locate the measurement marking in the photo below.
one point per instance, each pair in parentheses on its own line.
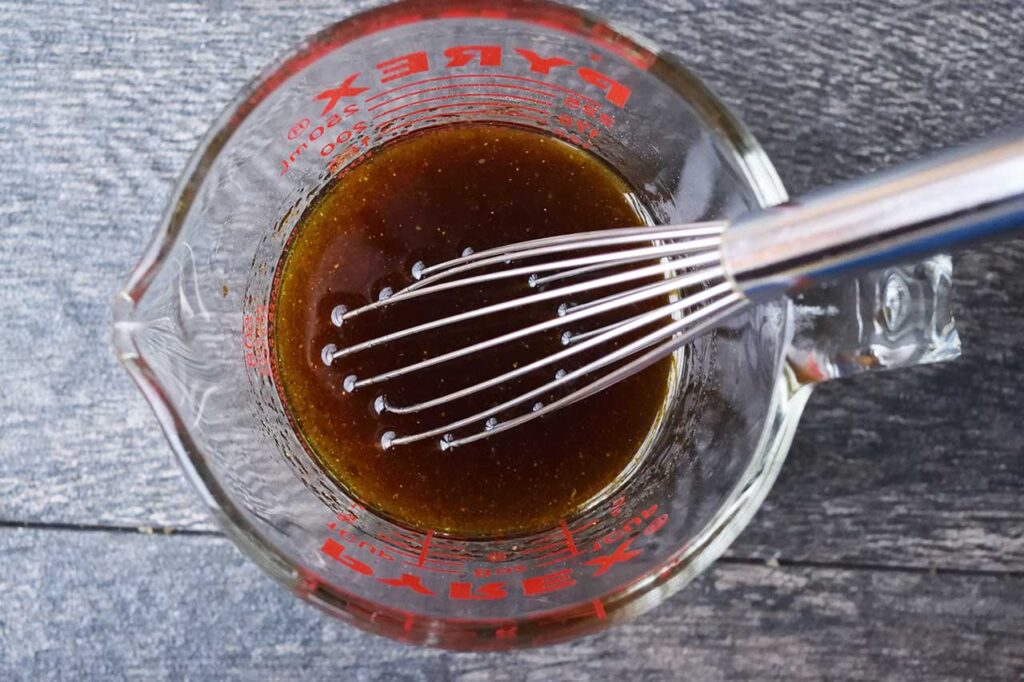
(463,117)
(541,549)
(599,609)
(432,569)
(403,540)
(415,555)
(404,552)
(493,105)
(453,557)
(458,96)
(413,558)
(569,542)
(400,534)
(589,524)
(426,545)
(400,545)
(510,114)
(523,79)
(556,559)
(412,550)
(453,86)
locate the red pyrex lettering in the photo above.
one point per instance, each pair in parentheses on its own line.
(602,560)
(458,56)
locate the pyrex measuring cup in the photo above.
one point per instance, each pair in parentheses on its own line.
(192,323)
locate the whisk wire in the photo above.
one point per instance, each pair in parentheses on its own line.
(579,240)
(596,338)
(915,210)
(607,380)
(433,285)
(559,293)
(663,288)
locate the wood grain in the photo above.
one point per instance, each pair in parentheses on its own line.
(105,605)
(100,105)
(102,115)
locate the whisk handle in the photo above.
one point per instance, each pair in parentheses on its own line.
(911,211)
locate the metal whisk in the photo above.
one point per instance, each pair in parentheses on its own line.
(716,269)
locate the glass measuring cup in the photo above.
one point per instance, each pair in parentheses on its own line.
(192,323)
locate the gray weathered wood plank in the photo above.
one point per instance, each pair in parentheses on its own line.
(102,605)
(101,104)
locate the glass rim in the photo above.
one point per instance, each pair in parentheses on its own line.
(547,627)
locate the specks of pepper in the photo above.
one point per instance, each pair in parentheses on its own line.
(381,219)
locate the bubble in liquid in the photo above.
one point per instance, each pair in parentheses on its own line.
(387,439)
(327,354)
(468,251)
(563,309)
(446,442)
(417,269)
(380,404)
(537,406)
(490,424)
(560,373)
(349,384)
(566,338)
(385,294)
(532,281)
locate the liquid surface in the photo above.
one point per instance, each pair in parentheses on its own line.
(427,197)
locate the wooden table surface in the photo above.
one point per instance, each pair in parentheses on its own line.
(892,546)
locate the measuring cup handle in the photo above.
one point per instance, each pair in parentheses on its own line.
(896,317)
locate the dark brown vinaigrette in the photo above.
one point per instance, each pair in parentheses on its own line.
(428,197)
